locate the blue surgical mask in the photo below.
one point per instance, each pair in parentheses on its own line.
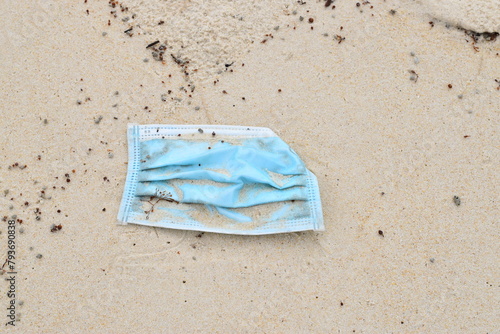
(225,179)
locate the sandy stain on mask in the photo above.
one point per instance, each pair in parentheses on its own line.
(222,171)
(281,214)
(153,149)
(156,211)
(260,215)
(279,179)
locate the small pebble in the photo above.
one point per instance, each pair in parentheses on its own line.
(432,260)
(104,33)
(301,18)
(21,303)
(200,130)
(39,256)
(460,96)
(196,108)
(276,28)
(98,120)
(145,60)
(457,200)
(110,155)
(21,230)
(416,60)
(45,121)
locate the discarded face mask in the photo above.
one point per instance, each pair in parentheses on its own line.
(225,179)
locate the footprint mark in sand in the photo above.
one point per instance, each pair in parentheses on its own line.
(151,254)
(124,266)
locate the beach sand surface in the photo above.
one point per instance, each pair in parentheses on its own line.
(396,113)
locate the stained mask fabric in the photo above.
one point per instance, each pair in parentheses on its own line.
(225,179)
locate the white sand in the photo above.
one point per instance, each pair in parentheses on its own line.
(389,153)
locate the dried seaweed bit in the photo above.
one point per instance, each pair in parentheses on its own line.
(177,60)
(339,38)
(328,3)
(490,36)
(129,32)
(476,36)
(413,76)
(55,228)
(152,44)
(159,196)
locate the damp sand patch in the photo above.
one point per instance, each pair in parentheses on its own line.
(203,37)
(480,16)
